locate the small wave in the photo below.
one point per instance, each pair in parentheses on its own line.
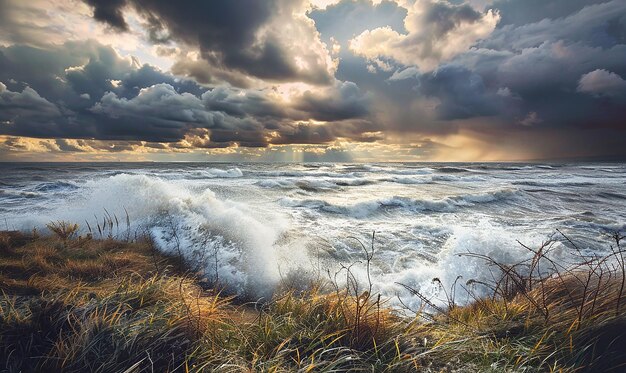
(311,185)
(117,173)
(276,184)
(611,195)
(401,171)
(304,174)
(369,208)
(408,180)
(34,168)
(358,210)
(358,167)
(315,185)
(452,170)
(230,173)
(504,167)
(555,183)
(55,186)
(212,173)
(453,178)
(14,194)
(353,182)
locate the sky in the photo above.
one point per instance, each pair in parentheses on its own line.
(312,80)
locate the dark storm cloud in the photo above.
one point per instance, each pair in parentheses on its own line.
(363,131)
(341,101)
(461,92)
(546,68)
(345,102)
(254,116)
(522,12)
(208,74)
(541,64)
(230,101)
(233,116)
(26,104)
(109,11)
(163,114)
(526,73)
(593,24)
(86,90)
(234,35)
(73,78)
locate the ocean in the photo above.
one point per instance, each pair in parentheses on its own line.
(255,226)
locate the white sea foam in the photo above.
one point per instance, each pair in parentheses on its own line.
(276,184)
(193,223)
(454,266)
(368,208)
(408,180)
(230,173)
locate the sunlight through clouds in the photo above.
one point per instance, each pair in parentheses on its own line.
(199,78)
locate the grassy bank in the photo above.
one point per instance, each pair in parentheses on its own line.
(75,304)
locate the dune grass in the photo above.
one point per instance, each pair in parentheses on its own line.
(74,304)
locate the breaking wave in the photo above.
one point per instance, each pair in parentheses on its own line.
(193,223)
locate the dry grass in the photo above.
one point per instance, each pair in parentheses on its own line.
(570,319)
(79,304)
(99,306)
(64,230)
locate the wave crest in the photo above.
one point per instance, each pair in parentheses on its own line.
(369,208)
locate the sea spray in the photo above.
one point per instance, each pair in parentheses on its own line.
(193,223)
(456,274)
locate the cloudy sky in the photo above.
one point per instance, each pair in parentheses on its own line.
(312,80)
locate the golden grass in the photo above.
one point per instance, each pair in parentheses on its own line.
(109,306)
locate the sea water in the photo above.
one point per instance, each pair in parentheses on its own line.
(254,226)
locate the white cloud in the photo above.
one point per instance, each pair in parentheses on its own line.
(437,32)
(408,73)
(504,92)
(602,82)
(323,4)
(158,103)
(531,119)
